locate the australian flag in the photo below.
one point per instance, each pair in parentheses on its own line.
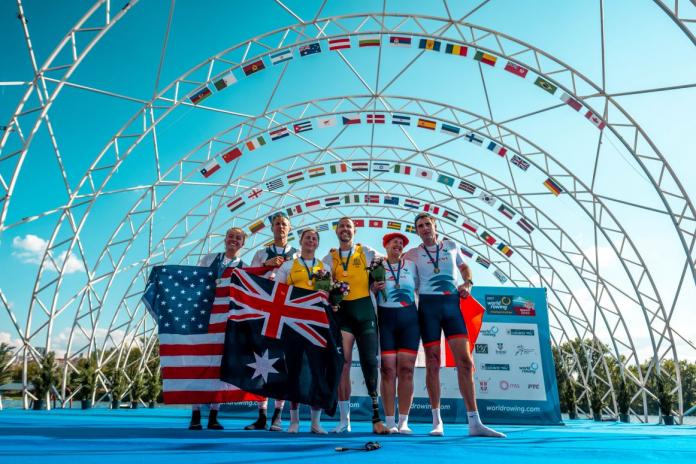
(282,342)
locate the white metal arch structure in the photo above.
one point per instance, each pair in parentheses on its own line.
(72,217)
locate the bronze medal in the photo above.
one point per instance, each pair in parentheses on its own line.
(436,270)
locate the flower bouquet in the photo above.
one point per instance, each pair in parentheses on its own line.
(339,290)
(322,280)
(378,273)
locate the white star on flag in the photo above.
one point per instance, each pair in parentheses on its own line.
(263,366)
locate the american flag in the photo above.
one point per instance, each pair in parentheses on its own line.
(191,313)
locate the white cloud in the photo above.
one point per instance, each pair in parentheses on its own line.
(6,337)
(31,248)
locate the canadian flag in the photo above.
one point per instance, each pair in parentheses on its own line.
(594,119)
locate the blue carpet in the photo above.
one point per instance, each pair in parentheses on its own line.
(160,435)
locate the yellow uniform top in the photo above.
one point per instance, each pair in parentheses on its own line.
(355,272)
(297,274)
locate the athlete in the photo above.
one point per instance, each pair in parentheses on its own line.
(300,273)
(356,318)
(273,255)
(398,331)
(218,262)
(437,262)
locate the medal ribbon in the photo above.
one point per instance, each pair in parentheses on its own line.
(437,256)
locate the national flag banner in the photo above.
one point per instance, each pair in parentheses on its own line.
(359,166)
(452,49)
(470,226)
(525,225)
(200,94)
(349,119)
(473,138)
(380,166)
(211,168)
(351,199)
(254,67)
(282,342)
(295,177)
(487,198)
(322,228)
(553,186)
(507,211)
(450,215)
(370,41)
(293,210)
(339,43)
(546,85)
(375,118)
(488,238)
(310,49)
(336,168)
(400,41)
(412,204)
(279,133)
(334,225)
(448,129)
(402,169)
(255,143)
(467,186)
(255,193)
(316,171)
(225,81)
(313,204)
(516,69)
(432,209)
(447,180)
(393,225)
(424,174)
(429,44)
(191,335)
(570,101)
(371,198)
(326,122)
(486,58)
(409,228)
(426,124)
(401,120)
(359,222)
(236,204)
(390,200)
(595,120)
(502,278)
(281,56)
(520,162)
(332,201)
(468,252)
(376,223)
(505,249)
(257,226)
(231,155)
(497,149)
(303,126)
(483,261)
(274,184)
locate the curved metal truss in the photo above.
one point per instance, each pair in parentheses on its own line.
(585,300)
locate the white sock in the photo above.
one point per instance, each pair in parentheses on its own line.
(390,422)
(403,424)
(438,428)
(477,429)
(436,417)
(344,408)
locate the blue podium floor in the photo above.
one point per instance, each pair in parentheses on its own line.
(160,435)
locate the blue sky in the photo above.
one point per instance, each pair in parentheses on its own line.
(644,50)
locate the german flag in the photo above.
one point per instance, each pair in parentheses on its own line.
(553,186)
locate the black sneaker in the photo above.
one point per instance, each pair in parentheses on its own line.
(195,421)
(213,423)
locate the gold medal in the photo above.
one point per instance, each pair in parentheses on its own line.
(345,273)
(436,270)
(309,284)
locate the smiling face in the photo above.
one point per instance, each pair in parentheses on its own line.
(234,240)
(309,241)
(426,229)
(394,248)
(281,228)
(345,231)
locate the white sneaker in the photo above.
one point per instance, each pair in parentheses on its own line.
(294,427)
(438,430)
(342,428)
(405,430)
